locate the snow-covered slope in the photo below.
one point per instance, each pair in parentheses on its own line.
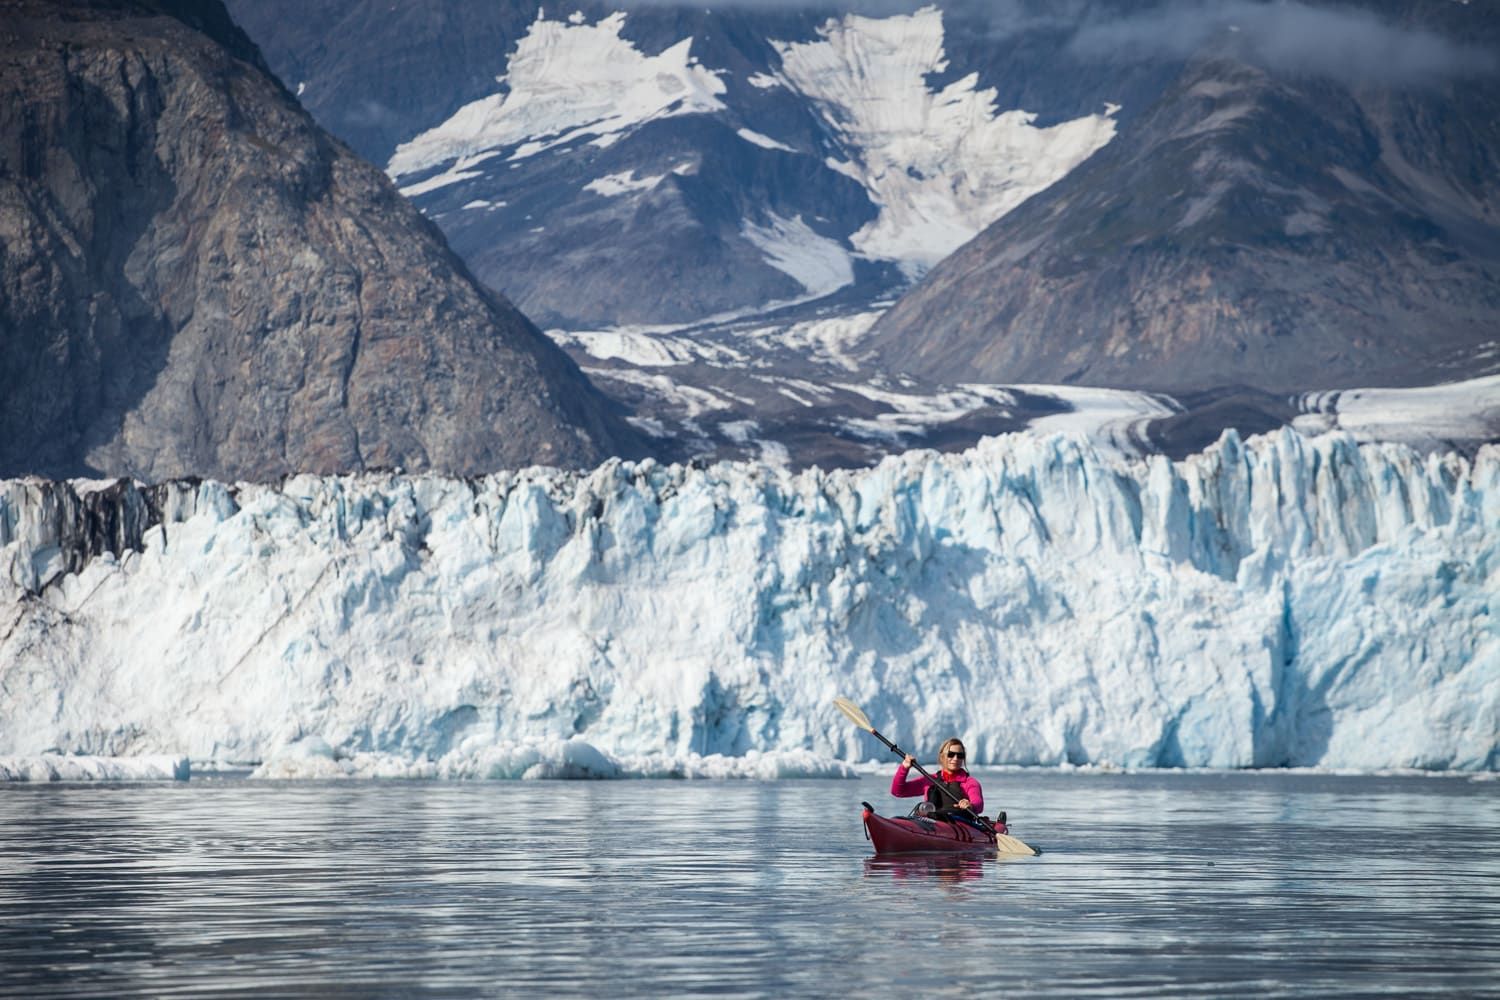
(941,165)
(750,153)
(567,80)
(1280,601)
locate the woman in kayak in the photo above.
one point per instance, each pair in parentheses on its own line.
(951,773)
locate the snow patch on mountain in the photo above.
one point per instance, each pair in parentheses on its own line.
(913,413)
(461,170)
(941,166)
(764,141)
(820,264)
(649,347)
(568,80)
(694,401)
(614,185)
(832,340)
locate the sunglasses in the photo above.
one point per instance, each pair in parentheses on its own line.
(955,754)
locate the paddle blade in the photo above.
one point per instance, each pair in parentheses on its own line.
(857,717)
(1005,844)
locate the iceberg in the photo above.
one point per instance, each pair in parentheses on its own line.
(1286,601)
(81,767)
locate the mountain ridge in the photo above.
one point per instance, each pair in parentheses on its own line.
(698,265)
(200,281)
(1286,232)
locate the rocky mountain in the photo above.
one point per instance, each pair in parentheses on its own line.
(1280,229)
(1152,221)
(196,279)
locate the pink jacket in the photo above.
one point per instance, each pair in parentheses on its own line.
(904,788)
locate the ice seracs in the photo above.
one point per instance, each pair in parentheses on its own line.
(1281,601)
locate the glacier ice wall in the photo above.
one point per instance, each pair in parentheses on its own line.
(1281,601)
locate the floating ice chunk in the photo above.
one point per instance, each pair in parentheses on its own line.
(61,767)
(571,759)
(574,758)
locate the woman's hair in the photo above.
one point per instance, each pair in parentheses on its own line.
(953,741)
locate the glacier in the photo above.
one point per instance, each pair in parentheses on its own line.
(1280,601)
(939,165)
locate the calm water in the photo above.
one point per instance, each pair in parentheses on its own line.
(1152,885)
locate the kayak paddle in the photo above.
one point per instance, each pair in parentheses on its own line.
(862,720)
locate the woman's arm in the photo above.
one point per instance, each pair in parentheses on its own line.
(904,788)
(972,792)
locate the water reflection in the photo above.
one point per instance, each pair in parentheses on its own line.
(939,867)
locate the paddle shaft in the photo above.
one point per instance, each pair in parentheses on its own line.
(940,786)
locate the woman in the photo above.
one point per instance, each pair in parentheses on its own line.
(951,774)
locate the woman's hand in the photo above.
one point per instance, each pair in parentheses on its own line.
(908,761)
(963,803)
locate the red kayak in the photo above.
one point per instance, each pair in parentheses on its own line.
(924,835)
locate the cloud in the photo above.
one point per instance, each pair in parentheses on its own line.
(872,7)
(1351,46)
(1343,43)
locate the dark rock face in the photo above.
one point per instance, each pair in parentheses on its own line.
(1272,232)
(196,280)
(80,522)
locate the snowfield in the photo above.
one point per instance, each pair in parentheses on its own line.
(940,165)
(566,81)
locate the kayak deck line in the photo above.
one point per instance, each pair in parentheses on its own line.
(926,835)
